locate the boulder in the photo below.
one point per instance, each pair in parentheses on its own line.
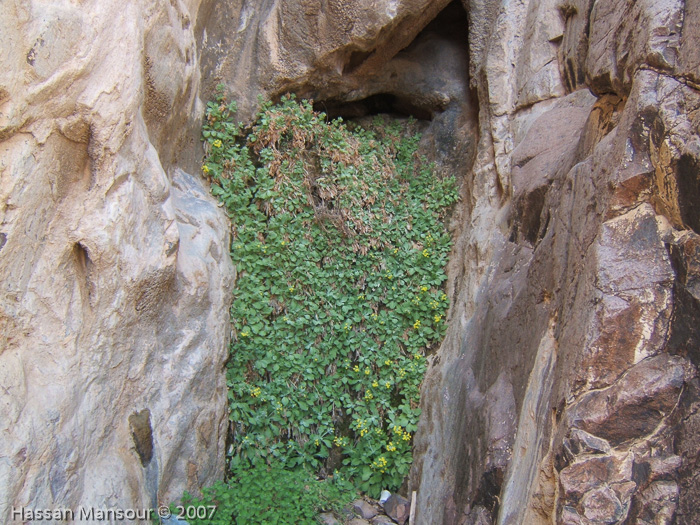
(397,508)
(364,509)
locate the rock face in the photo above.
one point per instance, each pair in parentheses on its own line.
(314,48)
(566,390)
(113,257)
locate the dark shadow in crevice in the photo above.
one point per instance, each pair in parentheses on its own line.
(357,58)
(380,104)
(489,490)
(531,222)
(142,435)
(688,176)
(84,272)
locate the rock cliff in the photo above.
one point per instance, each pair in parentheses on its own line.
(566,389)
(113,256)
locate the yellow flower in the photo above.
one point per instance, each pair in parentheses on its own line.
(416,325)
(390,447)
(417,356)
(423,288)
(387,384)
(291,288)
(437,318)
(205,168)
(356,368)
(396,250)
(245,333)
(388,362)
(367,371)
(217,143)
(316,442)
(375,384)
(426,253)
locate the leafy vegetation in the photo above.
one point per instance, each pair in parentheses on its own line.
(268,496)
(340,250)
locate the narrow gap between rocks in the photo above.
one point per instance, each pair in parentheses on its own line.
(356,300)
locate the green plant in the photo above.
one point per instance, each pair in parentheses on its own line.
(339,245)
(268,496)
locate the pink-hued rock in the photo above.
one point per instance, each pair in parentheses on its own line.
(574,277)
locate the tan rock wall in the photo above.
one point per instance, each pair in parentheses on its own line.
(114,260)
(318,49)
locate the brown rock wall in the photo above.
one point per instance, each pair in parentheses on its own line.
(595,253)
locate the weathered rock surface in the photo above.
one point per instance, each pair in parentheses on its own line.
(363,509)
(311,47)
(565,390)
(113,259)
(397,508)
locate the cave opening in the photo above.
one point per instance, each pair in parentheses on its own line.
(396,106)
(420,81)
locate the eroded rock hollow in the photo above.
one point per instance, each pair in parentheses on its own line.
(566,389)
